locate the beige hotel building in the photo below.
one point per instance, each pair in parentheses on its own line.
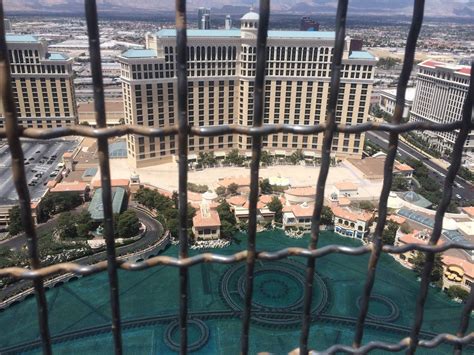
(221,73)
(42,84)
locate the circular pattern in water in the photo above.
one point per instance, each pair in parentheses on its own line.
(381,308)
(198,335)
(278,291)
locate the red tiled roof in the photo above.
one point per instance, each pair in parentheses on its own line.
(113,182)
(465,70)
(75,186)
(466,265)
(412,238)
(345,186)
(350,215)
(396,219)
(301,191)
(265,199)
(301,211)
(237,200)
(403,167)
(212,220)
(344,201)
(430,63)
(240,181)
(194,196)
(469,210)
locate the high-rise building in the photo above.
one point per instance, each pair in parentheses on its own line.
(7,25)
(228,22)
(221,74)
(308,24)
(42,84)
(204,18)
(440,93)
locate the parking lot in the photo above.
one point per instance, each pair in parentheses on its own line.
(41,164)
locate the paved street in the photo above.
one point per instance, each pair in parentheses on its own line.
(462,188)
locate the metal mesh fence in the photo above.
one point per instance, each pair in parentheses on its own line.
(13,132)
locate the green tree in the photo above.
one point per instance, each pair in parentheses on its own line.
(389,233)
(84,224)
(437,271)
(227,229)
(57,203)
(457,292)
(232,188)
(327,217)
(128,224)
(266,159)
(366,205)
(400,183)
(220,191)
(225,213)
(66,226)
(16,225)
(265,187)
(197,188)
(276,206)
(233,158)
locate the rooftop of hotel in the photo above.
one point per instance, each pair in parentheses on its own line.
(459,69)
(21,39)
(139,53)
(57,56)
(166,33)
(360,55)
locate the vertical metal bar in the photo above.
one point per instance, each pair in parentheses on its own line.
(19,178)
(103,149)
(443,206)
(410,48)
(259,95)
(323,174)
(465,318)
(183,131)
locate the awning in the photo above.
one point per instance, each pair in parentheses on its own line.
(219,154)
(248,154)
(308,153)
(192,157)
(280,152)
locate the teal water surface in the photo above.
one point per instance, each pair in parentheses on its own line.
(153,293)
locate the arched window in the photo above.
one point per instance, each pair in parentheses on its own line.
(198,53)
(219,53)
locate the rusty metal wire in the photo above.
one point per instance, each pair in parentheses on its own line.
(13,133)
(324,170)
(183,128)
(388,168)
(19,178)
(103,150)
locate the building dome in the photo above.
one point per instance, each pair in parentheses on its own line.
(411,196)
(252,16)
(209,195)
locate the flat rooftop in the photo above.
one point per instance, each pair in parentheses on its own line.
(21,39)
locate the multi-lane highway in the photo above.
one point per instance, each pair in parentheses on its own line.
(461,188)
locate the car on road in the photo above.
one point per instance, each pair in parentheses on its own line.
(31,158)
(38,151)
(53,174)
(458,196)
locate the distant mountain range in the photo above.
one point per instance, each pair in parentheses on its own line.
(442,8)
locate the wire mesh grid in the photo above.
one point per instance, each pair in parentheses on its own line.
(13,132)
